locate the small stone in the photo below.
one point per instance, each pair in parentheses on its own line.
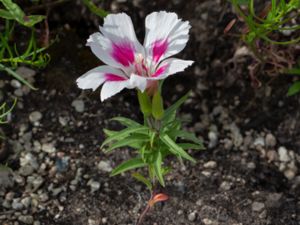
(283,154)
(207,221)
(225,185)
(16,204)
(251,165)
(26,170)
(258,206)
(270,140)
(289,174)
(272,155)
(63,121)
(192,216)
(35,116)
(26,219)
(104,166)
(36,222)
(78,105)
(15,83)
(26,202)
(259,142)
(18,92)
(95,186)
(210,165)
(25,72)
(37,182)
(273,200)
(213,139)
(48,147)
(93,222)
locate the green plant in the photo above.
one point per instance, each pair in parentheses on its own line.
(272,19)
(295,87)
(10,56)
(94,9)
(4,112)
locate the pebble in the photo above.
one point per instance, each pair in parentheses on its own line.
(48,147)
(16,204)
(25,72)
(225,185)
(283,154)
(37,182)
(35,116)
(26,202)
(210,165)
(104,166)
(26,219)
(15,83)
(258,206)
(213,139)
(26,170)
(192,216)
(289,174)
(260,141)
(78,105)
(270,140)
(95,186)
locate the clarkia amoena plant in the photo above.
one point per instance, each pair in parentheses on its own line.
(143,67)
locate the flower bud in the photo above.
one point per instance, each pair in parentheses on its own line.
(157,106)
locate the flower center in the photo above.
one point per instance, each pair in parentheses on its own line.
(140,66)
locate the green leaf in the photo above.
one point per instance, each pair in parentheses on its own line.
(158,168)
(171,111)
(174,148)
(125,121)
(6,14)
(30,21)
(17,76)
(124,133)
(143,179)
(294,71)
(18,14)
(128,141)
(185,135)
(128,165)
(294,89)
(109,132)
(94,9)
(157,106)
(145,103)
(187,146)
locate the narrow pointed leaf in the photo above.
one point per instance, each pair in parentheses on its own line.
(294,89)
(142,179)
(125,121)
(128,165)
(174,148)
(129,141)
(124,133)
(158,168)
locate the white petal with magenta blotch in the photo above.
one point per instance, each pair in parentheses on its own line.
(166,35)
(95,77)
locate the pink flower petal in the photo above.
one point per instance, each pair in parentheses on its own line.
(159,48)
(160,71)
(113,77)
(123,53)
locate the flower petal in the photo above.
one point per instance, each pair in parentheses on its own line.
(170,66)
(117,43)
(138,82)
(111,88)
(166,35)
(95,77)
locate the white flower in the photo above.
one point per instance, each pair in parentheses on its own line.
(130,64)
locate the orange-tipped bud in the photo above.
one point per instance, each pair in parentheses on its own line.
(158,198)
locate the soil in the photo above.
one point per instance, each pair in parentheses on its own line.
(240,179)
